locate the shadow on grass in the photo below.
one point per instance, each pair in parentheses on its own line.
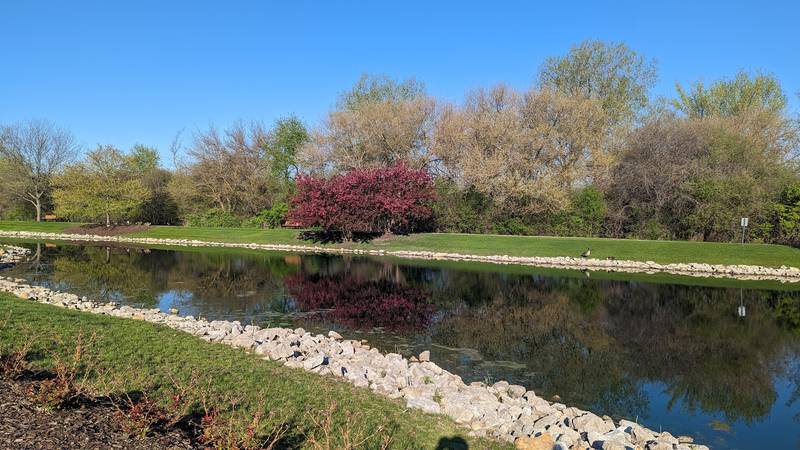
(452,443)
(336,237)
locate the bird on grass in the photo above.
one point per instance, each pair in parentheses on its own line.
(586,253)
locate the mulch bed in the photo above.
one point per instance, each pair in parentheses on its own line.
(102,230)
(91,425)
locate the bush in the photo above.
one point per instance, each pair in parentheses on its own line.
(460,211)
(380,200)
(269,218)
(214,218)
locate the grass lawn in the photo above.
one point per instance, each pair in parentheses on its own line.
(143,357)
(630,249)
(42,227)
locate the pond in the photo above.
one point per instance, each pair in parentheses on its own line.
(717,360)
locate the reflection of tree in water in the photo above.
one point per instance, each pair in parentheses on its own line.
(217,284)
(565,351)
(104,273)
(362,304)
(692,340)
(212,284)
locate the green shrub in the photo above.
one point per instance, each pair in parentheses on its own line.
(269,218)
(461,211)
(214,218)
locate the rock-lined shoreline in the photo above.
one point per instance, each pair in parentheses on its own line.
(501,410)
(782,274)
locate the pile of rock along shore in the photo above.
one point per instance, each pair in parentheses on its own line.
(501,410)
(737,271)
(10,255)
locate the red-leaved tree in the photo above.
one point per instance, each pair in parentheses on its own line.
(394,199)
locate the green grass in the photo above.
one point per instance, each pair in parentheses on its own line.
(145,357)
(629,249)
(42,227)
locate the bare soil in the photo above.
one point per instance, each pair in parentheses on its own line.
(102,230)
(92,424)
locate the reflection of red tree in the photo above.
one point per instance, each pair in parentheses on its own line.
(362,304)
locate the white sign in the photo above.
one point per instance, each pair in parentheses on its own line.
(745,221)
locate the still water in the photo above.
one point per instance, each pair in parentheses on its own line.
(717,360)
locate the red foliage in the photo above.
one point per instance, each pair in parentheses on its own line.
(395,199)
(362,304)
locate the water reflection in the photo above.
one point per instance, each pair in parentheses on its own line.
(673,355)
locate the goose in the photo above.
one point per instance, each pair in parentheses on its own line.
(586,253)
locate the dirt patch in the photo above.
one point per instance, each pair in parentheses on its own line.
(90,425)
(102,230)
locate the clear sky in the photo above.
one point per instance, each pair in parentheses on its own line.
(119,73)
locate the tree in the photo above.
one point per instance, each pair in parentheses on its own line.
(731,97)
(525,151)
(611,72)
(160,207)
(34,152)
(379,89)
(683,178)
(106,185)
(284,140)
(230,171)
(380,122)
(394,199)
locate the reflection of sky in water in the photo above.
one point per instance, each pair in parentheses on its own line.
(776,431)
(617,347)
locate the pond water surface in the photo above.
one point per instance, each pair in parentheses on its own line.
(717,360)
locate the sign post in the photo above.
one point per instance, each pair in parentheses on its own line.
(745,222)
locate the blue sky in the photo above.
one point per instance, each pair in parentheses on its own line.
(140,71)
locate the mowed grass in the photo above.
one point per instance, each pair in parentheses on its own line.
(479,244)
(41,227)
(143,357)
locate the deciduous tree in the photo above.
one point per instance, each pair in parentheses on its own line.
(380,122)
(610,72)
(393,199)
(105,186)
(33,153)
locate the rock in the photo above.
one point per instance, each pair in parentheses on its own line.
(656,445)
(243,341)
(334,335)
(425,356)
(173,311)
(515,391)
(315,361)
(423,403)
(542,442)
(589,422)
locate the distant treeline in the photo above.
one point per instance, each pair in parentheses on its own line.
(585,151)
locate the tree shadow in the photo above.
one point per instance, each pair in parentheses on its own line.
(336,237)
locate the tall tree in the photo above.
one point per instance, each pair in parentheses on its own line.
(160,207)
(525,151)
(379,89)
(379,122)
(230,171)
(105,186)
(283,142)
(731,97)
(34,153)
(611,72)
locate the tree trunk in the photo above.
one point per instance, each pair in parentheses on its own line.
(38,206)
(108,220)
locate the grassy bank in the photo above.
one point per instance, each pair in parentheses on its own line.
(142,357)
(630,249)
